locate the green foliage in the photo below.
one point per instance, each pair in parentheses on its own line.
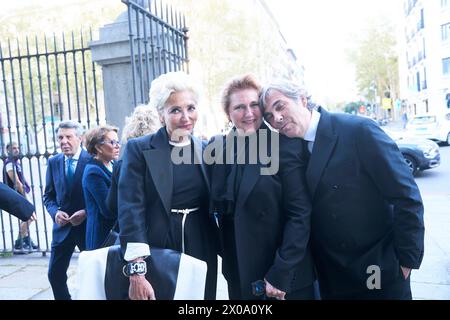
(353,107)
(375,59)
(35,85)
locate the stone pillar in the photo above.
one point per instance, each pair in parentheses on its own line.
(112,53)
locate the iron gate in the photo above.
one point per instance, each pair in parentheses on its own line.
(55,80)
(43,81)
(158,41)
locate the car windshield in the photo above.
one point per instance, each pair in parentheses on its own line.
(423,120)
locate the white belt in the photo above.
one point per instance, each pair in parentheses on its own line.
(184,212)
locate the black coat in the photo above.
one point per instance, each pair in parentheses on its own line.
(271,223)
(145,198)
(12,202)
(367,208)
(112,198)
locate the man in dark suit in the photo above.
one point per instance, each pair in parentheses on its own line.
(64,201)
(15,204)
(367,219)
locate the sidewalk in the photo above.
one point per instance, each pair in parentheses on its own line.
(24,277)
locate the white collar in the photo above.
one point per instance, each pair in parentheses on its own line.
(310,134)
(180,144)
(76,156)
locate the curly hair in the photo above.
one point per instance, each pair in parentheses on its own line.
(95,136)
(239,83)
(144,120)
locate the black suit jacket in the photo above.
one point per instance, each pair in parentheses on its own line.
(271,222)
(367,208)
(14,203)
(145,189)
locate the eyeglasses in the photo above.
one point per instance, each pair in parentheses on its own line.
(113,143)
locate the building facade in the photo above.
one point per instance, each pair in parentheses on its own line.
(425,60)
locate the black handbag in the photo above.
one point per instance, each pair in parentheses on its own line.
(112,238)
(162,266)
(172,274)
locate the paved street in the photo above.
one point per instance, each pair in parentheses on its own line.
(432,281)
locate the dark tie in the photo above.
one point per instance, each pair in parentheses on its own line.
(70,172)
(306,153)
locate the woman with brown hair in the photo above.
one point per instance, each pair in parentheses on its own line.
(103,144)
(264,219)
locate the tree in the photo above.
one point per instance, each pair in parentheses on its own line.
(376,60)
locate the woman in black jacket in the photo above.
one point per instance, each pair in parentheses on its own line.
(163,202)
(264,213)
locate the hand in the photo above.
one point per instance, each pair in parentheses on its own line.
(140,288)
(62,218)
(273,292)
(78,217)
(406,271)
(32,218)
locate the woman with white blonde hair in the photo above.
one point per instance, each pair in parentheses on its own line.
(164,203)
(144,120)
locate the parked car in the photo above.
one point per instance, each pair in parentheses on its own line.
(430,126)
(419,153)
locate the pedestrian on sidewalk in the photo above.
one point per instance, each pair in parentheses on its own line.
(14,177)
(404,119)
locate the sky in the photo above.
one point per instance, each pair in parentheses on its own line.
(319,31)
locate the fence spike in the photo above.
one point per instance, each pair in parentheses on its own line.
(55,48)
(18,47)
(64,41)
(28,46)
(73,41)
(81,35)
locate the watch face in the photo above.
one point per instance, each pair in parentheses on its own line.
(137,268)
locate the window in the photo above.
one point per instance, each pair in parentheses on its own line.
(446,66)
(445,32)
(422,23)
(418,81)
(444,4)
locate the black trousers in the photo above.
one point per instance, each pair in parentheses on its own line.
(306,293)
(398,290)
(60,261)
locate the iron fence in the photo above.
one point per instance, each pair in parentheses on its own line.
(54,79)
(51,80)
(158,43)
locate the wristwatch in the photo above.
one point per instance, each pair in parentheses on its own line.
(131,268)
